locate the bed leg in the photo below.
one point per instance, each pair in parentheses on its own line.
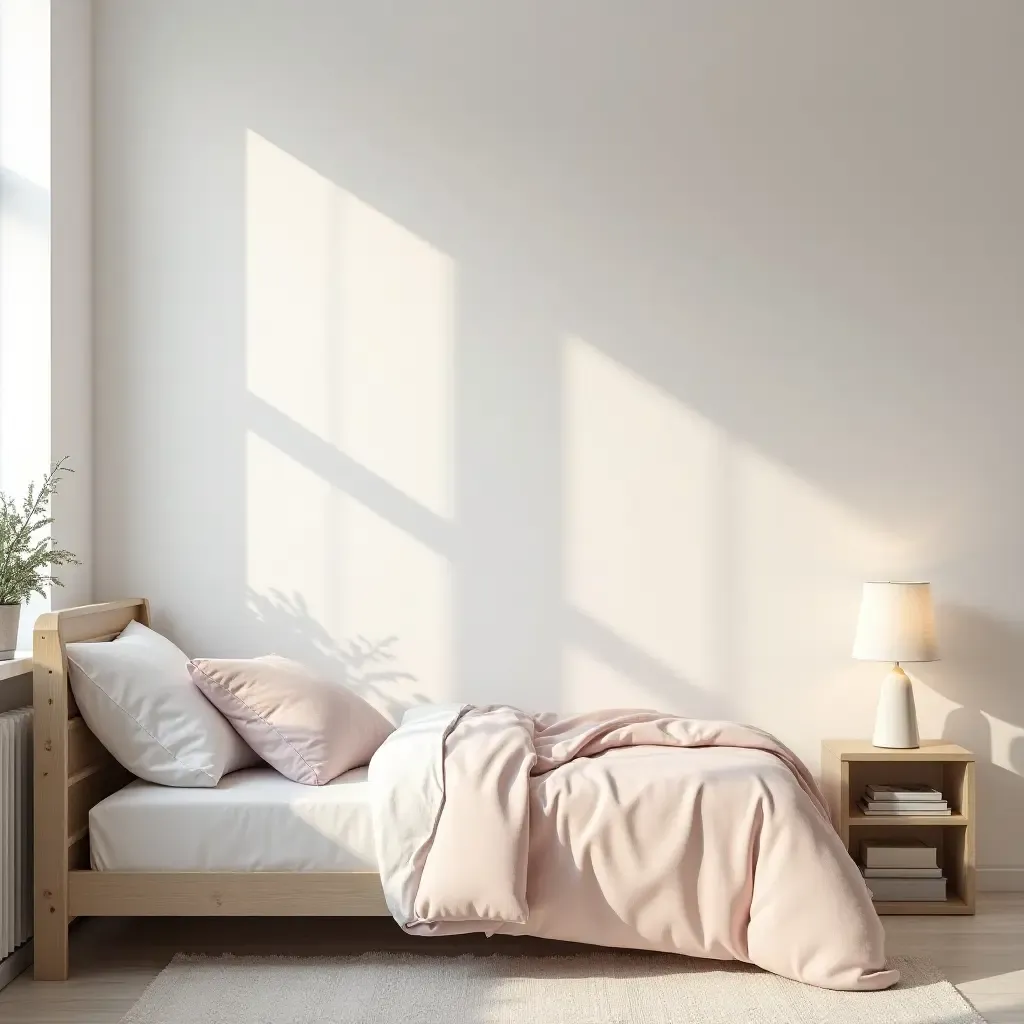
(50,799)
(50,942)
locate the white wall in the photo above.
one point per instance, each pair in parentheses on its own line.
(71,383)
(596,353)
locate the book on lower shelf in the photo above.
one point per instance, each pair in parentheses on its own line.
(901,872)
(898,853)
(906,890)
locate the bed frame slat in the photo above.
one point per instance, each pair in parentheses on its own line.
(227,894)
(83,747)
(78,853)
(88,788)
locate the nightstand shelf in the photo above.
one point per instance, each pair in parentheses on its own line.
(858,817)
(849,765)
(949,906)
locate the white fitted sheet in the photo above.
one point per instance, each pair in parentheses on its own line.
(253,820)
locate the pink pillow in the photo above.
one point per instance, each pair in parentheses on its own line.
(308,728)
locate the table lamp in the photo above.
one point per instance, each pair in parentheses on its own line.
(896,624)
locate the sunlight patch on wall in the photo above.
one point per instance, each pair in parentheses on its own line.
(356,574)
(349,324)
(638,506)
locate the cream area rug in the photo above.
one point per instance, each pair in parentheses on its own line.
(600,988)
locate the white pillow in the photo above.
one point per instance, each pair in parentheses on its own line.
(136,695)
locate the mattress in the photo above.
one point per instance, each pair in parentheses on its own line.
(254,820)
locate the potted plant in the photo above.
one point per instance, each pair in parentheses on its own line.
(25,563)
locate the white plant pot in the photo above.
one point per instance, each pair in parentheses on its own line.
(9,616)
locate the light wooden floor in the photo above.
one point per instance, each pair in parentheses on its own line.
(114,959)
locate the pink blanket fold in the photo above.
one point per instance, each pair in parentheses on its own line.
(620,828)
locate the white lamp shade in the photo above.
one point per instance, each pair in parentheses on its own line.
(896,623)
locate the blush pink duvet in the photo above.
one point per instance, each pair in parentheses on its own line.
(620,828)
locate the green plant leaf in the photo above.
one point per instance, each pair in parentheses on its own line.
(25,562)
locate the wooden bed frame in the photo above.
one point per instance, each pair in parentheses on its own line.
(73,772)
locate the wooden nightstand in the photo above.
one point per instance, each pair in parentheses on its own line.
(847,766)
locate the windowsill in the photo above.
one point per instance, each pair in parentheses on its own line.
(18,665)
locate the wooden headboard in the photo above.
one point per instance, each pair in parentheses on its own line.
(72,769)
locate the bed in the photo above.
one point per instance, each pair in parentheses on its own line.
(626,828)
(74,774)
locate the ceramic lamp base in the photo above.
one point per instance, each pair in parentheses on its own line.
(896,718)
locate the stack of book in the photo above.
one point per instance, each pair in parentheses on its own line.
(902,870)
(907,801)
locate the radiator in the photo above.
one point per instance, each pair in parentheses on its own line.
(15,829)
